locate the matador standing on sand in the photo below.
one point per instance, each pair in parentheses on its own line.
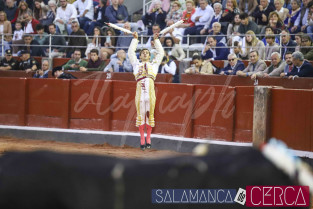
(145,73)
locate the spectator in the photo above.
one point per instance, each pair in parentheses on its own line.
(173,33)
(155,29)
(66,14)
(293,17)
(165,4)
(32,46)
(276,23)
(236,49)
(203,14)
(11,10)
(287,4)
(200,66)
(116,13)
(119,64)
(190,10)
(289,64)
(274,70)
(208,28)
(261,14)
(167,66)
(97,42)
(94,63)
(255,65)
(247,25)
(50,16)
(5,27)
(57,42)
(252,43)
(85,10)
(233,65)
(268,31)
(305,10)
(17,37)
(301,67)
(214,51)
(43,71)
(77,39)
(282,12)
(230,11)
(306,47)
(175,51)
(309,27)
(58,73)
(8,62)
(27,63)
(30,24)
(287,43)
(175,14)
(157,16)
(247,6)
(40,10)
(22,9)
(271,46)
(298,40)
(41,36)
(232,30)
(99,18)
(123,41)
(76,63)
(109,44)
(216,32)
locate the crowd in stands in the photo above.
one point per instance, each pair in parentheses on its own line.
(229,30)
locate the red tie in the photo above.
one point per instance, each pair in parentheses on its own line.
(290,68)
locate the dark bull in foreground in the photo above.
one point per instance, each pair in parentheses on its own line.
(43,180)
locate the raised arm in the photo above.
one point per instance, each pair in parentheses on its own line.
(132,49)
(160,51)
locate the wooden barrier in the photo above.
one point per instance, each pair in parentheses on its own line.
(12,101)
(195,111)
(47,103)
(90,104)
(292,117)
(243,117)
(213,112)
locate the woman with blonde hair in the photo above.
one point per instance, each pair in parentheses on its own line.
(175,14)
(23,9)
(5,26)
(282,12)
(250,43)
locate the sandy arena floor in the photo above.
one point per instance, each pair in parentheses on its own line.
(13,144)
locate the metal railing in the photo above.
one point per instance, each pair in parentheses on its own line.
(143,38)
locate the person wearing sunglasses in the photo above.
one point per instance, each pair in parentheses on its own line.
(233,66)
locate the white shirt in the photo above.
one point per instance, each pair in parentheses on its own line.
(18,35)
(28,28)
(82,6)
(70,12)
(206,15)
(171,69)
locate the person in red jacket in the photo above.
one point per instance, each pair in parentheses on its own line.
(30,24)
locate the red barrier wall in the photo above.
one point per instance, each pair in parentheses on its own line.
(213,112)
(198,111)
(123,107)
(173,109)
(90,104)
(243,121)
(12,101)
(48,103)
(292,117)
